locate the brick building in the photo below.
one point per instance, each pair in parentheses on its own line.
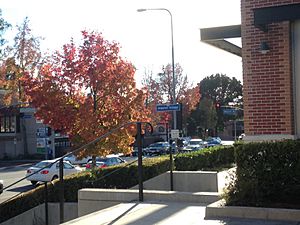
(270,32)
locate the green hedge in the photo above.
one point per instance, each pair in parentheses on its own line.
(268,174)
(205,159)
(122,177)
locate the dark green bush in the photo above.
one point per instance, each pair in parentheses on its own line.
(268,174)
(206,159)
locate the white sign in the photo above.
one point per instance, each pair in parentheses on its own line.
(174,134)
(41,132)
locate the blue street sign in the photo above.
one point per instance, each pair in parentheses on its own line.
(27,116)
(230,112)
(162,108)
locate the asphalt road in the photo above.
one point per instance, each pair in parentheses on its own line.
(10,175)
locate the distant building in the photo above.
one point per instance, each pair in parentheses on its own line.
(22,135)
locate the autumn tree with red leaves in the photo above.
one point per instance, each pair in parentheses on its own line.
(160,91)
(87,90)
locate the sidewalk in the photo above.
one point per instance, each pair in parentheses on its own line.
(149,213)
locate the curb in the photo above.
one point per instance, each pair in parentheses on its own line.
(219,210)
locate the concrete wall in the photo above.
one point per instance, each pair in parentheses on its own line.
(36,216)
(187,181)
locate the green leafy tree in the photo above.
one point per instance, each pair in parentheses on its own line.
(203,119)
(220,90)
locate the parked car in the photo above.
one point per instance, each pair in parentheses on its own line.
(50,172)
(1,186)
(102,162)
(241,137)
(195,144)
(99,164)
(134,152)
(158,148)
(213,141)
(73,159)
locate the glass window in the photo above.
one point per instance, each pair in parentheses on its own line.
(2,124)
(68,165)
(119,160)
(7,124)
(12,124)
(43,164)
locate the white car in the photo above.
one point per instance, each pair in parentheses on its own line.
(51,172)
(74,160)
(196,144)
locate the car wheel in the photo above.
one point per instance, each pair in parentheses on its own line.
(54,177)
(33,182)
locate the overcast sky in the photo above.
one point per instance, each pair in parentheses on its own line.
(145,37)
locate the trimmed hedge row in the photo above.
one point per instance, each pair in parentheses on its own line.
(205,159)
(122,177)
(268,174)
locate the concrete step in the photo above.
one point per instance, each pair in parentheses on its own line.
(92,199)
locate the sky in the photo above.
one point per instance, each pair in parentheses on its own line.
(144,37)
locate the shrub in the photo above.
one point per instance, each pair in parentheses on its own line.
(206,159)
(268,174)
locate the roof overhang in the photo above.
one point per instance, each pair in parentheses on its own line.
(275,14)
(216,36)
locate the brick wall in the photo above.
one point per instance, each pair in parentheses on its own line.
(268,102)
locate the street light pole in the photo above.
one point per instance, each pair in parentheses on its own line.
(173,62)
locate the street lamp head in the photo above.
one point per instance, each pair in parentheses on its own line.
(141,10)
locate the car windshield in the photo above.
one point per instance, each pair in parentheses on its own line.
(43,164)
(213,139)
(102,159)
(158,145)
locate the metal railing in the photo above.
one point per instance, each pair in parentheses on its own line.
(61,179)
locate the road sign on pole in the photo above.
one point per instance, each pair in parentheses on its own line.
(163,108)
(174,134)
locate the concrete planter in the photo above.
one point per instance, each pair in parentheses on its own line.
(219,210)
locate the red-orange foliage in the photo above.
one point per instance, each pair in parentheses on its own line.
(160,91)
(86,91)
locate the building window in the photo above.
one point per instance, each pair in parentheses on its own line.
(7,124)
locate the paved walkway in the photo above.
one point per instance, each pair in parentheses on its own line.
(150,213)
